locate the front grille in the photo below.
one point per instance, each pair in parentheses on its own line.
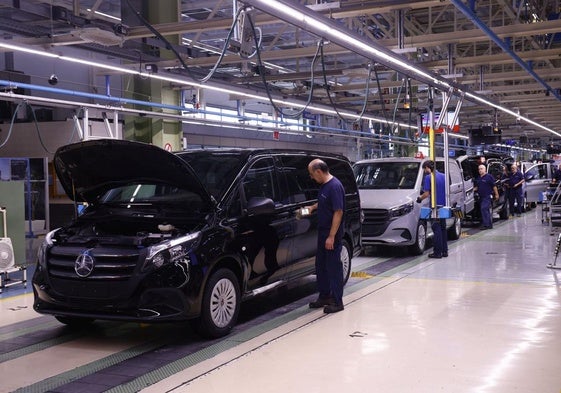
(109,263)
(87,294)
(375,222)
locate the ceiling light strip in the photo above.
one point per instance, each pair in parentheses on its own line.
(310,21)
(182,82)
(512,113)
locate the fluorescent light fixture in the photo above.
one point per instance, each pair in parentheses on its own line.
(32,51)
(324,6)
(97,64)
(404,50)
(510,112)
(303,18)
(327,29)
(206,48)
(209,86)
(104,15)
(453,76)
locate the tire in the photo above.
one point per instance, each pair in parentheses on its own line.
(455,231)
(220,306)
(74,322)
(420,240)
(346,256)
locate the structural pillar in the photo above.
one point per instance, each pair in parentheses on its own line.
(160,132)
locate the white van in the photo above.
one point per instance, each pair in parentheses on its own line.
(388,189)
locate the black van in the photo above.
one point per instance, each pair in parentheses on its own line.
(182,236)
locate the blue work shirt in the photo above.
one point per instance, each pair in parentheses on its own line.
(440,180)
(485,185)
(331,197)
(515,178)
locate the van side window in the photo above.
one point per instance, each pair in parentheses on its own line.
(535,173)
(455,175)
(342,171)
(299,184)
(542,170)
(467,170)
(260,181)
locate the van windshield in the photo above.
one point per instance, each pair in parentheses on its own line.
(386,175)
(151,194)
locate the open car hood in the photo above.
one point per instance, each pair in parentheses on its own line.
(88,169)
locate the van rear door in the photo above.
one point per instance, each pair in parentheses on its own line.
(537,179)
(467,180)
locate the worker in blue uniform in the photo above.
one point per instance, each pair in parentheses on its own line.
(438,225)
(515,182)
(330,217)
(556,176)
(486,188)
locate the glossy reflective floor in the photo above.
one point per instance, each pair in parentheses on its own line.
(485,319)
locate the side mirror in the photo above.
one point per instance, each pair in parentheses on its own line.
(529,177)
(260,206)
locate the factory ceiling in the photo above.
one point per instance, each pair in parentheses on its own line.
(520,73)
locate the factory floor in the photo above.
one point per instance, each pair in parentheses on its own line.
(485,319)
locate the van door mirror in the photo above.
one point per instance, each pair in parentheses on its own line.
(529,176)
(260,205)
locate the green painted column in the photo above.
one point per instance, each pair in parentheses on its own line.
(146,129)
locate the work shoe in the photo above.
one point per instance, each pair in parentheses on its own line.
(331,308)
(321,302)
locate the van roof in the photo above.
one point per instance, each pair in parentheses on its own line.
(248,152)
(399,159)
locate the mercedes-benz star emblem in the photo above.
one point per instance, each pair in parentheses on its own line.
(84,264)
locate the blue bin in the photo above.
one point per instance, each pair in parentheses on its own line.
(425,213)
(443,212)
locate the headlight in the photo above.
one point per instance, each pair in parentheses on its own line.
(47,243)
(401,210)
(172,251)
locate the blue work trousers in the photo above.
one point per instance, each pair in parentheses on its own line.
(517,195)
(329,271)
(486,217)
(440,245)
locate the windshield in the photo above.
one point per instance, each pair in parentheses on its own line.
(386,175)
(216,170)
(151,194)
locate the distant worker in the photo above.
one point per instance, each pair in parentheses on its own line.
(557,176)
(515,182)
(440,246)
(486,189)
(504,183)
